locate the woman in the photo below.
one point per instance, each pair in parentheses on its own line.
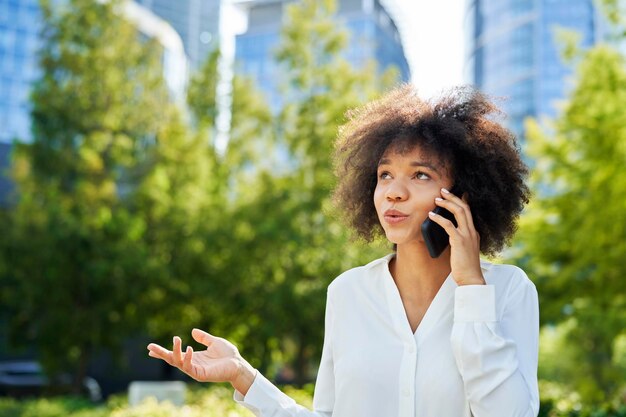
(411,334)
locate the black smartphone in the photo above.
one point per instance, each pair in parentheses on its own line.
(436,238)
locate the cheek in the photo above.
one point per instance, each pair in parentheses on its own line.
(379,198)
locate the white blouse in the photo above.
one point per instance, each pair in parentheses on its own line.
(473,354)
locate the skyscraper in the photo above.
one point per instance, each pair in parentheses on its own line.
(373,36)
(173,57)
(19,41)
(513,53)
(197,22)
(20,23)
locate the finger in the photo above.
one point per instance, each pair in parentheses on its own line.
(453,197)
(203,337)
(159,350)
(156,351)
(447,225)
(187,361)
(158,356)
(468,212)
(177,355)
(462,202)
(455,209)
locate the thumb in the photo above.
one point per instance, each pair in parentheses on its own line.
(203,337)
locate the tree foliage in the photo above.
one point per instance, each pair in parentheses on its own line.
(109,192)
(292,243)
(283,238)
(573,232)
(126,220)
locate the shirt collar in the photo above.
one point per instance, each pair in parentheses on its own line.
(484,264)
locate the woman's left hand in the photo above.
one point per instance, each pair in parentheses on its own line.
(464,239)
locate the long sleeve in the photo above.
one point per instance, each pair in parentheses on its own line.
(266,400)
(496,353)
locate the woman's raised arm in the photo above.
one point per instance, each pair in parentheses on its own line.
(220,362)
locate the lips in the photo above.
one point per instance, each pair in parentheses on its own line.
(394,216)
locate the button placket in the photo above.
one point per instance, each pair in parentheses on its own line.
(407,377)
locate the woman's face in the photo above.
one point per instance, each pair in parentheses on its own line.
(407,186)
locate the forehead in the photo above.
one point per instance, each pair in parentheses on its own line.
(397,152)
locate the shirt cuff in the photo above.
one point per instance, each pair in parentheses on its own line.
(475,303)
(262,396)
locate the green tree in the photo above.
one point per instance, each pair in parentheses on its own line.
(176,198)
(251,134)
(108,192)
(252,129)
(225,296)
(202,93)
(573,232)
(292,246)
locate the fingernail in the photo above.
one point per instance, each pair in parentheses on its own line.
(431,213)
(445,191)
(438,199)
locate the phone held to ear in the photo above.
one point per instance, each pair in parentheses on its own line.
(436,238)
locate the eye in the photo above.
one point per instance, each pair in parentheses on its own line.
(384,175)
(421,175)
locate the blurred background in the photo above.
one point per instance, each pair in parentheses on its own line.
(166,165)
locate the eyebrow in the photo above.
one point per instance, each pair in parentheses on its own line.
(413,164)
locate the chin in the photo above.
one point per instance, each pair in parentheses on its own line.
(403,240)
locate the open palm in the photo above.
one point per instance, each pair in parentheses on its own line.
(218,363)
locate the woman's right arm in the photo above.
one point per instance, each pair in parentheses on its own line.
(221,362)
(265,400)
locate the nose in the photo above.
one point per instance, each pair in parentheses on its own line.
(396,191)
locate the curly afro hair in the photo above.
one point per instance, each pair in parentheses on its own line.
(457,128)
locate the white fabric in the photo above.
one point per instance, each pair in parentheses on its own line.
(473,354)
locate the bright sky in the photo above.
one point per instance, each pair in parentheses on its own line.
(434,43)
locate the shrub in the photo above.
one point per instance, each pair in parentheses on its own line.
(557,401)
(214,401)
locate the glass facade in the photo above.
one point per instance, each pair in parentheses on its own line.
(19,41)
(253,57)
(373,36)
(553,74)
(20,23)
(196,21)
(513,52)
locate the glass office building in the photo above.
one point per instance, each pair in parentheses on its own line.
(513,53)
(373,36)
(196,21)
(19,41)
(20,24)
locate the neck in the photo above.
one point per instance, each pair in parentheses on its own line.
(416,273)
